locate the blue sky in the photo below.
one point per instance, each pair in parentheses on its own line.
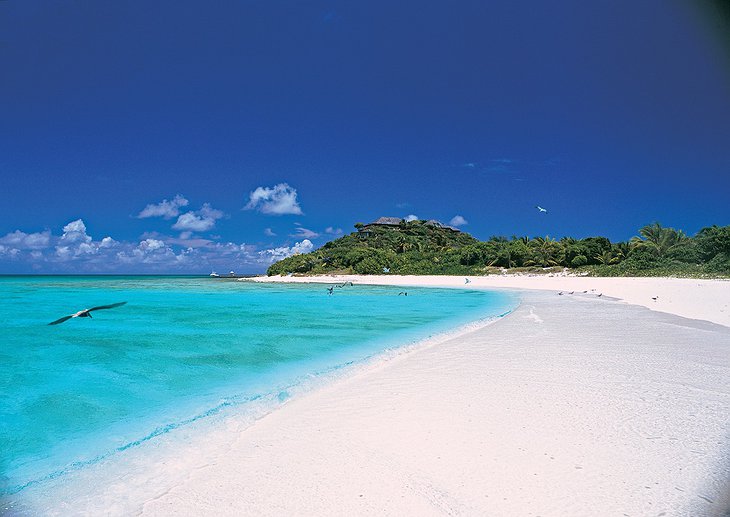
(181,136)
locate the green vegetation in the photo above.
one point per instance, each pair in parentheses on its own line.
(419,248)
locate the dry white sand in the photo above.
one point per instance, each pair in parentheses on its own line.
(570,405)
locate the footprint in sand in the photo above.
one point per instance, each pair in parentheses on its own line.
(534,317)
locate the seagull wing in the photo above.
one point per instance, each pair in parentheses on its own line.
(60,320)
(106,306)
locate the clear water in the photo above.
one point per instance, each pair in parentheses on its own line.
(181,349)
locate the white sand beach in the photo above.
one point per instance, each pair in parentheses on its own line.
(570,405)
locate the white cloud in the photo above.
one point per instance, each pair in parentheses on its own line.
(64,252)
(75,231)
(165,209)
(411,217)
(300,232)
(198,221)
(151,245)
(274,254)
(29,241)
(333,231)
(269,232)
(108,242)
(86,248)
(458,220)
(280,199)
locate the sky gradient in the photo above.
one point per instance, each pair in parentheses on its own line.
(181,137)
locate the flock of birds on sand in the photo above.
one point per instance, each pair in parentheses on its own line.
(561,293)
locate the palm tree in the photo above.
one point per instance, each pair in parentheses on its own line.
(606,258)
(658,239)
(621,250)
(546,251)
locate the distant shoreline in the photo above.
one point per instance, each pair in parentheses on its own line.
(703,299)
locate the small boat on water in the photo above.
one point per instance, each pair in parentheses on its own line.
(214,274)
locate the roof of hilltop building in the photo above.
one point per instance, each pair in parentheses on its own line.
(386,221)
(397,221)
(439,224)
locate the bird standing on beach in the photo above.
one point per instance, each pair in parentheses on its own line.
(541,209)
(86,313)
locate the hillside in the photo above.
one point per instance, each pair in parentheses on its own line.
(414,247)
(427,247)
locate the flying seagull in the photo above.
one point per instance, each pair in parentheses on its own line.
(329,289)
(86,313)
(541,209)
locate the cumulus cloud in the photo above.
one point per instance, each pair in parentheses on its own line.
(274,254)
(27,241)
(165,209)
(75,231)
(198,221)
(280,199)
(301,232)
(458,220)
(108,242)
(411,217)
(151,245)
(333,231)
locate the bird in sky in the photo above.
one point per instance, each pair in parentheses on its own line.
(541,209)
(329,289)
(86,313)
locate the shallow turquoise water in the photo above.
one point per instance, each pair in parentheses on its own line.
(180,350)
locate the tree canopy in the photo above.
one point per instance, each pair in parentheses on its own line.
(417,247)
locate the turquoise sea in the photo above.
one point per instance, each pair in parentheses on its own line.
(181,350)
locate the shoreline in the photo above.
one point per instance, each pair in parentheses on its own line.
(55,494)
(701,299)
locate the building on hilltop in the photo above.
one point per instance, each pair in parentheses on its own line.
(397,222)
(439,224)
(386,221)
(390,222)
